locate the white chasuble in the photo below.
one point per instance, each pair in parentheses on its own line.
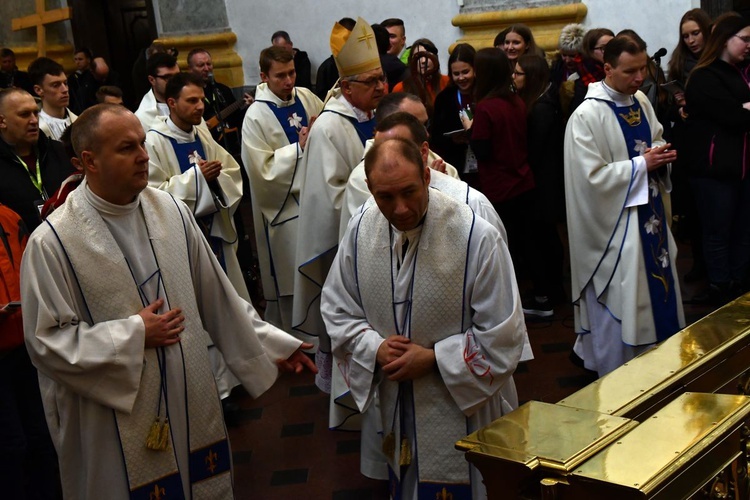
(333,149)
(118,296)
(603,188)
(274,167)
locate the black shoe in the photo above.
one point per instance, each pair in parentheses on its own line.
(538,306)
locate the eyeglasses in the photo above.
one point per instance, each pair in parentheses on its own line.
(518,73)
(164,77)
(601,47)
(745,39)
(372,82)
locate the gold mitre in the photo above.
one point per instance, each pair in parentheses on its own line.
(355,51)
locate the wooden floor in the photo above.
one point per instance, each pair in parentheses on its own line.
(283,449)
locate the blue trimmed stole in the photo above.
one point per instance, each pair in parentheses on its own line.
(365,130)
(652,224)
(421,411)
(291,118)
(188,155)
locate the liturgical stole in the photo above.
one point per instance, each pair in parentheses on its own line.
(365,130)
(110,293)
(291,118)
(434,311)
(652,224)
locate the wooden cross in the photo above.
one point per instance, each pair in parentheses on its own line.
(39,20)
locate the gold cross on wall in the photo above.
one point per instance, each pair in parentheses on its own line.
(366,37)
(39,20)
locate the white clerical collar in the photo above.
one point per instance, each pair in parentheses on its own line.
(618,98)
(179,134)
(281,102)
(362,116)
(104,207)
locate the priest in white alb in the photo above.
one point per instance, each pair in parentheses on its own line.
(625,290)
(334,147)
(120,293)
(274,135)
(185,161)
(424,316)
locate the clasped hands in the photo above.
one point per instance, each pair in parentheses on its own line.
(659,156)
(401,359)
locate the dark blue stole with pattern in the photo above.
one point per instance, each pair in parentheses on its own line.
(652,223)
(291,118)
(365,130)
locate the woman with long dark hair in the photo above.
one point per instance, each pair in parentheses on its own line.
(498,138)
(424,79)
(517,40)
(718,110)
(447,135)
(694,30)
(545,132)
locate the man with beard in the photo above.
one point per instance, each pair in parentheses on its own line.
(186,162)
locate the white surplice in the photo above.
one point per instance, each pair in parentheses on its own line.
(475,362)
(333,149)
(150,110)
(603,188)
(91,373)
(275,171)
(54,127)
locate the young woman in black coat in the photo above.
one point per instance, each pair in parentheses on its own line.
(717,147)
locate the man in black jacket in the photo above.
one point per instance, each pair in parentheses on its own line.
(219,100)
(10,76)
(32,166)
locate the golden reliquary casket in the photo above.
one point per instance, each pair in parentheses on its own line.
(670,424)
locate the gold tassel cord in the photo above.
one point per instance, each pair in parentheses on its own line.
(158,436)
(152,440)
(405,457)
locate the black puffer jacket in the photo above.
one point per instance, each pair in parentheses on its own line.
(18,192)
